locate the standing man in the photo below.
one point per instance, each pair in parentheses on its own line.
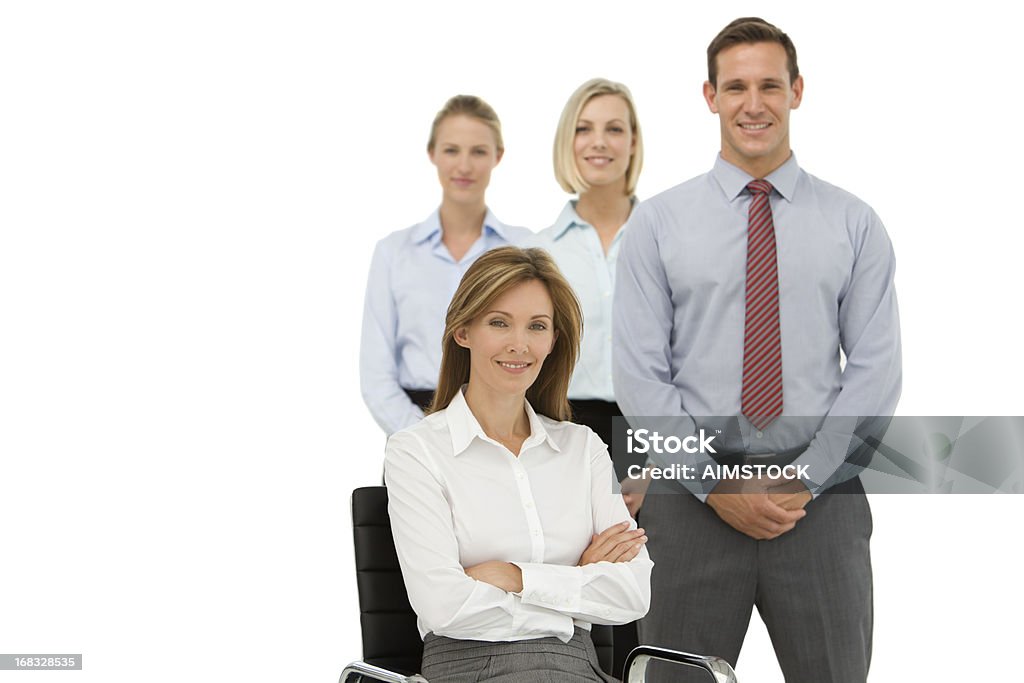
(736,292)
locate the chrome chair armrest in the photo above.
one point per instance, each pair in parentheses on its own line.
(361,672)
(637,661)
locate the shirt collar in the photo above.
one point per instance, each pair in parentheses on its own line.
(567,219)
(733,179)
(430,229)
(570,219)
(464,427)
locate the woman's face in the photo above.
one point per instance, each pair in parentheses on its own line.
(509,341)
(464,154)
(604,141)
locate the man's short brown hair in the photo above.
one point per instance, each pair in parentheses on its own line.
(747,30)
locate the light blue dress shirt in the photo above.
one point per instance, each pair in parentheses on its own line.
(680,309)
(576,248)
(411,282)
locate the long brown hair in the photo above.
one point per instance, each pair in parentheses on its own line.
(490,276)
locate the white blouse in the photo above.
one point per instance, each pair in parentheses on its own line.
(458,498)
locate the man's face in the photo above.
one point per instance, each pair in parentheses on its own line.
(753,98)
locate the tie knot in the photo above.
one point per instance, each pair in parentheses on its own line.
(759,187)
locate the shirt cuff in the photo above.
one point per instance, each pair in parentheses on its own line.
(817,468)
(533,621)
(551,586)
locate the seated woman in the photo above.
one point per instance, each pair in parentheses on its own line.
(506,518)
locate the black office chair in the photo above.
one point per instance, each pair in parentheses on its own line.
(392,648)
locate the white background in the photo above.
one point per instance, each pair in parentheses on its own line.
(189,197)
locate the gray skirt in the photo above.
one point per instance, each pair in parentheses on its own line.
(543,660)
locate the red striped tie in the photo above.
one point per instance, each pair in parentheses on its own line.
(762,342)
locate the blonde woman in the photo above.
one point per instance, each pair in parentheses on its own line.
(598,154)
(415,271)
(511,537)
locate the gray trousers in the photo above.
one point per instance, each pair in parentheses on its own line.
(541,660)
(811,586)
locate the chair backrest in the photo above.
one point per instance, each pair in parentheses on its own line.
(390,637)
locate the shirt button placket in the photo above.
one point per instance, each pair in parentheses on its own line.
(530,511)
